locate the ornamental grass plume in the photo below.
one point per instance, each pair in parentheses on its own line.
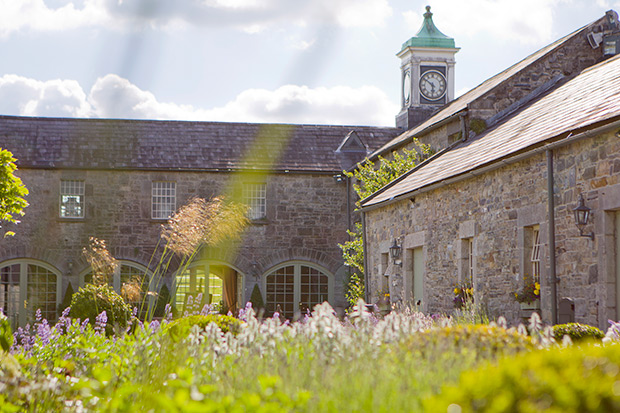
(204,222)
(131,291)
(102,262)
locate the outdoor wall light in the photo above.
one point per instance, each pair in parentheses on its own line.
(395,253)
(255,269)
(582,215)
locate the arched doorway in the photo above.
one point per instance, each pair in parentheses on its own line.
(28,285)
(295,287)
(130,280)
(220,284)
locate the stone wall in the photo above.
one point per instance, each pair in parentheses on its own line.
(306,218)
(496,209)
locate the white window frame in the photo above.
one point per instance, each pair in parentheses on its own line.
(163,199)
(71,190)
(255,196)
(205,266)
(23,317)
(297,282)
(469,245)
(535,254)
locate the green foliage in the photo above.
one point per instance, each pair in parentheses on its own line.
(12,190)
(181,327)
(257,299)
(92,300)
(353,251)
(355,289)
(6,335)
(577,332)
(163,298)
(485,339)
(573,379)
(370,179)
(477,125)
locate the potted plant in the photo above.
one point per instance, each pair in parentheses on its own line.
(383,302)
(529,295)
(463,293)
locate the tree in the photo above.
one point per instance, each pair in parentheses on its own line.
(370,179)
(12,191)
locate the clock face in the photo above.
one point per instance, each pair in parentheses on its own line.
(432,85)
(407,87)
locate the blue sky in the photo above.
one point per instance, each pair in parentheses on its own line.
(291,61)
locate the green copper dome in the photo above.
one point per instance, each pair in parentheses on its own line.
(429,35)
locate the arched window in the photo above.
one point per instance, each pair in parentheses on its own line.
(219,284)
(296,287)
(130,280)
(27,285)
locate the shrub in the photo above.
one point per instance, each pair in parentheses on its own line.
(180,328)
(257,298)
(66,301)
(577,332)
(92,300)
(571,379)
(163,299)
(6,336)
(489,340)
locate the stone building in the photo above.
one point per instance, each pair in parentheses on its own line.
(119,180)
(494,207)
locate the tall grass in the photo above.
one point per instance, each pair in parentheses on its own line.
(320,363)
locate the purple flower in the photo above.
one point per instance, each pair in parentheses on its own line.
(154,325)
(44,332)
(83,325)
(100,322)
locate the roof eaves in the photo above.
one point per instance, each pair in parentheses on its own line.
(550,143)
(409,172)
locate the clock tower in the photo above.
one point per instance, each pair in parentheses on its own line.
(427,73)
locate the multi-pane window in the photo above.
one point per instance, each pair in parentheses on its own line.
(281,291)
(72,199)
(9,291)
(25,287)
(255,196)
(164,199)
(42,284)
(295,288)
(314,288)
(535,257)
(208,280)
(469,247)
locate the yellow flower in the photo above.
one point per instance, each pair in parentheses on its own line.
(387,294)
(456,291)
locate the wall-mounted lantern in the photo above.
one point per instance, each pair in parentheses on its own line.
(582,215)
(395,251)
(255,269)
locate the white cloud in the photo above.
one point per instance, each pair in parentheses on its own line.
(523,21)
(114,97)
(248,15)
(301,104)
(29,97)
(36,15)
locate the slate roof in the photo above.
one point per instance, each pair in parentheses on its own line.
(460,104)
(180,145)
(590,99)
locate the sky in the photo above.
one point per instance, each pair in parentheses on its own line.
(284,61)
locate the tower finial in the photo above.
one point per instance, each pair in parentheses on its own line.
(428,11)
